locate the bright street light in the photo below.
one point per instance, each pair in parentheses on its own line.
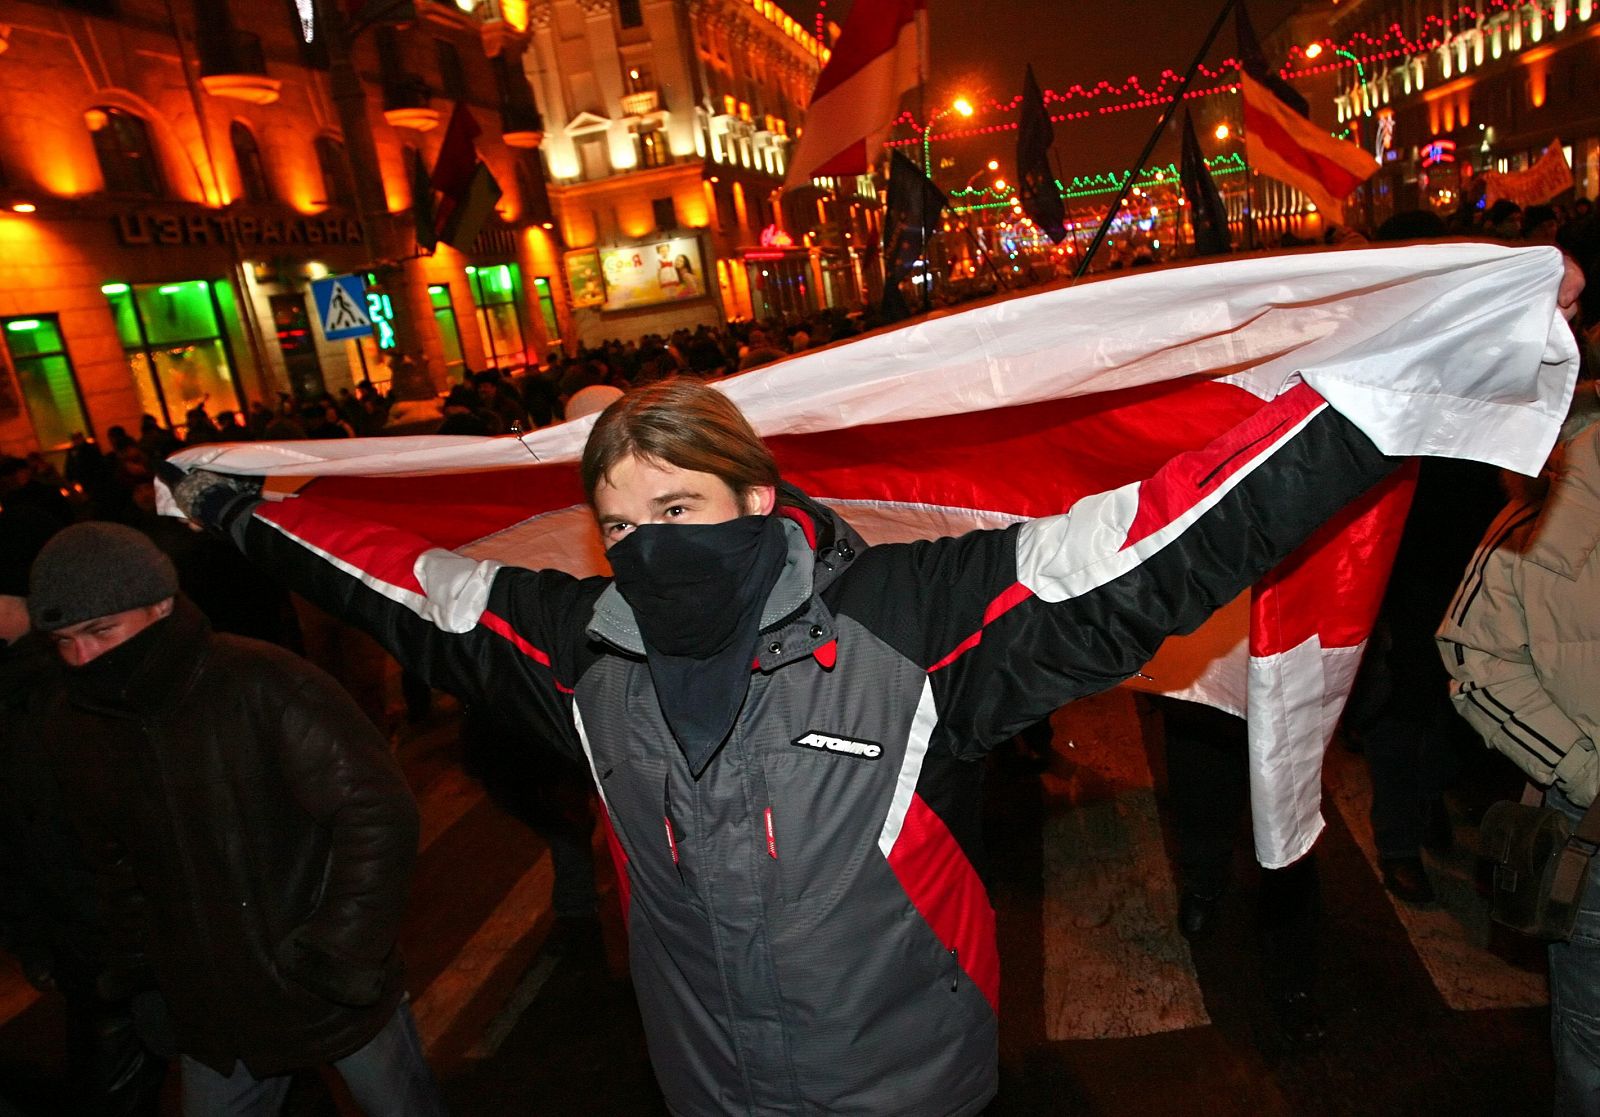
(1223,131)
(994,164)
(1313,50)
(961,106)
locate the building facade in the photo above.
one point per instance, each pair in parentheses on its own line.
(1443,92)
(175,175)
(668,124)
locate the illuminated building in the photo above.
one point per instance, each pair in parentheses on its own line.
(1445,92)
(173,178)
(668,124)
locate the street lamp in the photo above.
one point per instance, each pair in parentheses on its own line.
(1223,131)
(961,107)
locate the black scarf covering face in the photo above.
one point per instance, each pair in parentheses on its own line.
(106,678)
(697,591)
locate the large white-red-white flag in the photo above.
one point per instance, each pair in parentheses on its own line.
(1015,409)
(880,54)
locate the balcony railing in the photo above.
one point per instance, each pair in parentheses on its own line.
(641,103)
(232,64)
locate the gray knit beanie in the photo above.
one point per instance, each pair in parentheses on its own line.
(96,569)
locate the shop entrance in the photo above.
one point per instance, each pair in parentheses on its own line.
(292,322)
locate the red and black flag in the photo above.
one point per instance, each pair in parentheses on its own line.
(1036,182)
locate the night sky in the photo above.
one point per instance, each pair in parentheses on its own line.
(979,48)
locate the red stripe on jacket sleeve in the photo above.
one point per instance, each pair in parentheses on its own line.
(944,888)
(1008,599)
(1189,478)
(502,627)
(377,551)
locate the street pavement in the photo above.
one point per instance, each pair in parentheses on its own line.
(1106,1009)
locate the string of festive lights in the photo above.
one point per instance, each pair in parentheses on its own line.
(1088,186)
(1436,31)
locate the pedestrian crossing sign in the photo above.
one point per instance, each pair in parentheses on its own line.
(342,306)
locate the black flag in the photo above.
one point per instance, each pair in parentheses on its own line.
(910,217)
(1254,63)
(422,202)
(1207,215)
(1036,183)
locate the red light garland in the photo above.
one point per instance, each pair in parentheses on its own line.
(1435,32)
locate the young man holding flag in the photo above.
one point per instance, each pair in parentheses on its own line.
(784,724)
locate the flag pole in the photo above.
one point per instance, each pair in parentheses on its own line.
(1150,145)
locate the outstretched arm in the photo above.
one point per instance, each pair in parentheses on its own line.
(1029,618)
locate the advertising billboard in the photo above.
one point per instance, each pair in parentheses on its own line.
(649,274)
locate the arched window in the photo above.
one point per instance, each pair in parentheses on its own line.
(335,173)
(247,154)
(127,158)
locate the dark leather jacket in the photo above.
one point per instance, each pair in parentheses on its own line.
(49,914)
(256,840)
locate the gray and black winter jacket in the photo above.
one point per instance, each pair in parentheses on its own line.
(808,933)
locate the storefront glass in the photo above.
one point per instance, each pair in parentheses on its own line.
(780,286)
(45,377)
(172,339)
(445,315)
(494,289)
(547,309)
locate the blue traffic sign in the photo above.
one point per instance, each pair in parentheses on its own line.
(342,306)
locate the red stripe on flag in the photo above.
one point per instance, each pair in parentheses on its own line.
(1306,156)
(851,161)
(870,30)
(1003,603)
(1032,460)
(478,504)
(501,627)
(1188,478)
(944,888)
(1332,586)
(380,552)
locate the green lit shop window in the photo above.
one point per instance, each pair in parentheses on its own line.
(44,375)
(455,364)
(494,289)
(174,345)
(547,308)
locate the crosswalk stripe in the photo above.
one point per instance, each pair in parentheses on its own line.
(512,920)
(1451,939)
(444,802)
(1114,964)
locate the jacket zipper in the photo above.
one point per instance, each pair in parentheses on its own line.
(666,818)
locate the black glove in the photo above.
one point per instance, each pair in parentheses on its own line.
(212,500)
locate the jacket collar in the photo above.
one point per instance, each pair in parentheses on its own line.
(793,622)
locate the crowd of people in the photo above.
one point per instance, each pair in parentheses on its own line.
(129,638)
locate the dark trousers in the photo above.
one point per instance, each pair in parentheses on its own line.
(1209,793)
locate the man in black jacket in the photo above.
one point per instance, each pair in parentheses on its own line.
(252,834)
(49,914)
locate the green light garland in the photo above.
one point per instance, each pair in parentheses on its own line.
(1088,186)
